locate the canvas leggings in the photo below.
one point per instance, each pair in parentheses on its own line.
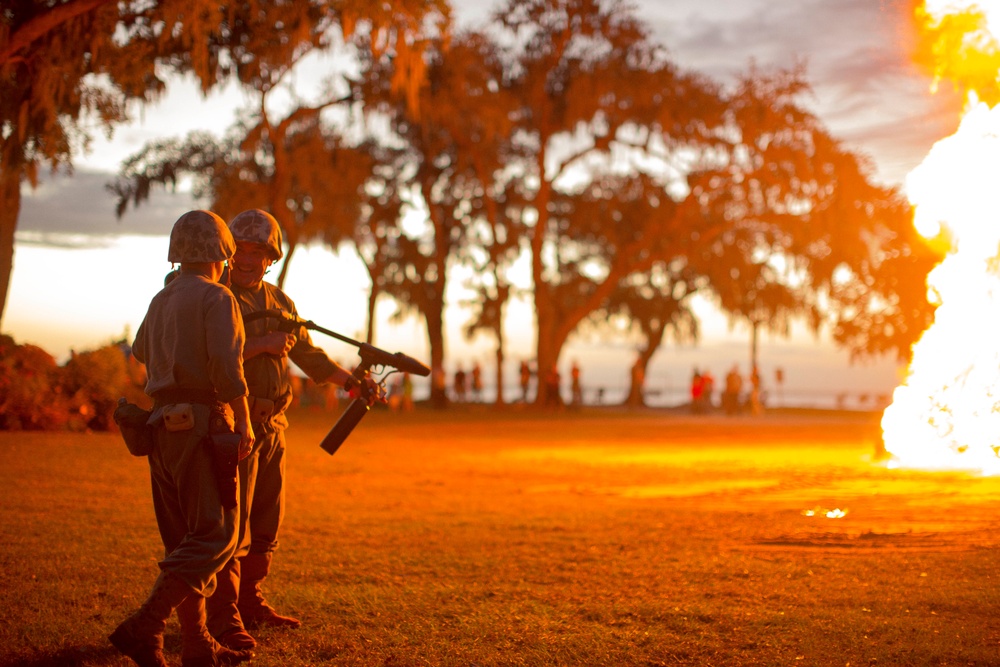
(199,535)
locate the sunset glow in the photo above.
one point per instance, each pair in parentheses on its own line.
(947,412)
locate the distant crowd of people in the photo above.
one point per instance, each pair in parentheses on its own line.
(736,396)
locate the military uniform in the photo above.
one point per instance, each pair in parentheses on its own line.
(192,344)
(191,341)
(239,602)
(269,384)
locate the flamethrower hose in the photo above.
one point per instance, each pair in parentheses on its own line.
(370,356)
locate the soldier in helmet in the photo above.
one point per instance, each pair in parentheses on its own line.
(238,602)
(191,341)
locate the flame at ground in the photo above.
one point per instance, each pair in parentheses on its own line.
(947,413)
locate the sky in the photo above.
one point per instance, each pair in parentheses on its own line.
(83,278)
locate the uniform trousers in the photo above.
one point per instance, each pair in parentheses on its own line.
(199,535)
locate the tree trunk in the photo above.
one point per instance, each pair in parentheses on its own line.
(499,355)
(372,298)
(434,317)
(280,282)
(637,383)
(10,209)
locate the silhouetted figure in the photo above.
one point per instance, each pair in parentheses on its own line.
(575,386)
(525,377)
(708,390)
(477,383)
(459,386)
(697,391)
(731,392)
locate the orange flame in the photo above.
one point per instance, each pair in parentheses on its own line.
(947,412)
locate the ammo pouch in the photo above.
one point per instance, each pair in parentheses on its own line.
(261,410)
(178,417)
(223,447)
(131,420)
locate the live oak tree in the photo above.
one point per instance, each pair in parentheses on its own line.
(776,219)
(447,137)
(293,167)
(590,94)
(788,224)
(65,65)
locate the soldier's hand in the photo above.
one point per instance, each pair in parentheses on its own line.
(372,391)
(278,343)
(247,439)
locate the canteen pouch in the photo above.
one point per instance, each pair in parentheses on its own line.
(223,446)
(178,417)
(131,421)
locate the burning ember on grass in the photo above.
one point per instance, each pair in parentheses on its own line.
(946,415)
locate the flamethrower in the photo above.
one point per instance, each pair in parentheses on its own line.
(371,358)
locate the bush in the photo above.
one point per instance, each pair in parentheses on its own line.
(38,394)
(30,398)
(95,380)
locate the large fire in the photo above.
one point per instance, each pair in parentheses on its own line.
(947,412)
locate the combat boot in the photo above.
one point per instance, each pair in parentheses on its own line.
(140,636)
(224,622)
(254,610)
(198,648)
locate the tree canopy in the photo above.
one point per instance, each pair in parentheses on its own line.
(67,63)
(560,134)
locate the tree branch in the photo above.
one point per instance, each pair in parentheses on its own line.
(45,23)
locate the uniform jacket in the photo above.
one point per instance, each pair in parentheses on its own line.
(268,375)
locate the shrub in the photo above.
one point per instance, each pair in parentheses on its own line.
(38,394)
(95,380)
(30,398)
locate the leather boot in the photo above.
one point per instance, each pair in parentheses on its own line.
(224,622)
(198,648)
(254,610)
(140,636)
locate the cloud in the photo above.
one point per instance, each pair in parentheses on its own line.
(77,211)
(857,55)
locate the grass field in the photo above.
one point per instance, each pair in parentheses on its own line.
(519,538)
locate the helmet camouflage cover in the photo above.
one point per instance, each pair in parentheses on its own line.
(200,236)
(257,226)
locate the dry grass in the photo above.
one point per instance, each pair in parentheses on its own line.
(519,538)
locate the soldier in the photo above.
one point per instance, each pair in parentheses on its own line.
(191,342)
(238,602)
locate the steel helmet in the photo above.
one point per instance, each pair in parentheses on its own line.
(257,226)
(200,236)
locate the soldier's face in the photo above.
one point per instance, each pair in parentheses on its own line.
(248,266)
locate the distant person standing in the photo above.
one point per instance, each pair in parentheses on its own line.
(576,387)
(732,390)
(477,382)
(525,379)
(697,390)
(459,384)
(191,342)
(708,390)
